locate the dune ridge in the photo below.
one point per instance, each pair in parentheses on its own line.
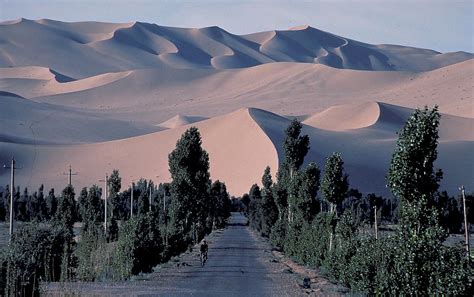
(83,49)
(240,145)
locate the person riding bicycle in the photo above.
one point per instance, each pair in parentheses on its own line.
(204,249)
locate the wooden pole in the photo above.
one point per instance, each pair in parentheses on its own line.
(376,225)
(105,204)
(12,195)
(466,224)
(12,167)
(131,202)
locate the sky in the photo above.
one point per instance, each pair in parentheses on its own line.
(442,25)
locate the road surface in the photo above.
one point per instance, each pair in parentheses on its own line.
(240,264)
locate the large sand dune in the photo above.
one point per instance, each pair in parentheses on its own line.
(240,145)
(84,49)
(102,96)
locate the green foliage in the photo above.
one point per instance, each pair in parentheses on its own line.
(280,195)
(139,247)
(51,204)
(34,253)
(278,233)
(451,216)
(255,207)
(311,247)
(92,254)
(295,146)
(66,212)
(142,201)
(189,168)
(334,185)
(90,205)
(219,206)
(411,174)
(303,188)
(346,244)
(269,208)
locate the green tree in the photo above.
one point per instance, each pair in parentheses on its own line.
(33,254)
(3,205)
(42,208)
(142,202)
(422,264)
(65,214)
(334,185)
(51,204)
(255,207)
(82,203)
(21,205)
(92,206)
(295,147)
(189,168)
(219,206)
(269,207)
(139,247)
(304,188)
(64,220)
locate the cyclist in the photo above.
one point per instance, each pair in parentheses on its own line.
(204,249)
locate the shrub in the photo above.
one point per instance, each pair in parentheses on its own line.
(139,247)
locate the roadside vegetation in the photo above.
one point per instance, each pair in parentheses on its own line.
(318,220)
(45,248)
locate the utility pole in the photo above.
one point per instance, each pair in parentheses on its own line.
(376,225)
(70,174)
(105,202)
(131,201)
(12,192)
(466,225)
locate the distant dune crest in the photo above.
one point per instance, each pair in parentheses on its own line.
(85,49)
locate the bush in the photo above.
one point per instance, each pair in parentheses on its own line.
(92,255)
(139,247)
(34,253)
(278,234)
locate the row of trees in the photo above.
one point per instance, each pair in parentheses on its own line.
(182,213)
(412,260)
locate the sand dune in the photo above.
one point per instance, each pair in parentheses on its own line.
(26,121)
(180,120)
(158,95)
(102,96)
(237,147)
(33,81)
(83,49)
(240,145)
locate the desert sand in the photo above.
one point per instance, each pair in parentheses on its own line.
(105,96)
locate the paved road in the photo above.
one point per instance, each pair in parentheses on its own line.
(239,264)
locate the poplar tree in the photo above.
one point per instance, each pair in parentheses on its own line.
(269,207)
(255,207)
(189,168)
(422,264)
(295,147)
(334,185)
(51,204)
(114,186)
